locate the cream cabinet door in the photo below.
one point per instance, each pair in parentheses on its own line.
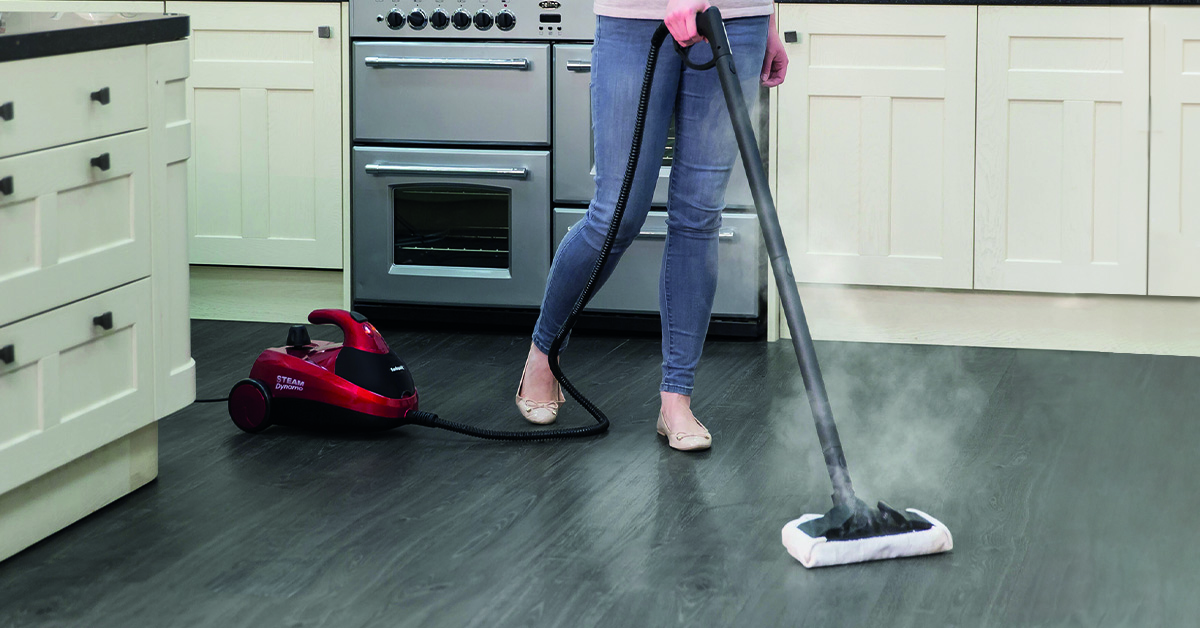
(264,97)
(1061,163)
(1175,151)
(876,144)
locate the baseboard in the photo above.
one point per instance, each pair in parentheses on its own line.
(273,295)
(1116,324)
(37,509)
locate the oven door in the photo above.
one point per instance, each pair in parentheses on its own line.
(574,166)
(456,227)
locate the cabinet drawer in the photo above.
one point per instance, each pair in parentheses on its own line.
(59,100)
(69,228)
(68,385)
(633,286)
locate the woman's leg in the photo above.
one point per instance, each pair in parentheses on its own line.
(618,67)
(705,152)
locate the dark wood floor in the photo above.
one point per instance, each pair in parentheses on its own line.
(1068,479)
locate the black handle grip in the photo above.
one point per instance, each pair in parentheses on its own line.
(8,354)
(6,186)
(709,26)
(104,321)
(102,162)
(101,96)
(6,111)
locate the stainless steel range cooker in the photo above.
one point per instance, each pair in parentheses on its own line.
(472,157)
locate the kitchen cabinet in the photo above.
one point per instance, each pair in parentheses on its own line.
(1061,149)
(1174,151)
(875,159)
(94,327)
(265,95)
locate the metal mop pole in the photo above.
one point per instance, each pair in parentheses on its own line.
(709,24)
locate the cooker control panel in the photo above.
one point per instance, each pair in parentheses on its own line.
(472,19)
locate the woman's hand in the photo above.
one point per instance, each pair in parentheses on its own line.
(775,62)
(681,20)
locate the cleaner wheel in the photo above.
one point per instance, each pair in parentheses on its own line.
(250,405)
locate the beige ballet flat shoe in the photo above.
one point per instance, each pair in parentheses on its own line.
(684,441)
(539,412)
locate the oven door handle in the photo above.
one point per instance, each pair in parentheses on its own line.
(449,171)
(447,62)
(579,65)
(661,234)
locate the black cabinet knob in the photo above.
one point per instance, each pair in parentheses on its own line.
(8,354)
(102,162)
(6,186)
(6,111)
(101,96)
(104,321)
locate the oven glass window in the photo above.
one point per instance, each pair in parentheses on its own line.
(463,226)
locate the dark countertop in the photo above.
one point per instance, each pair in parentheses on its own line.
(1044,3)
(27,34)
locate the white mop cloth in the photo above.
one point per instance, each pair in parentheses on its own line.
(820,552)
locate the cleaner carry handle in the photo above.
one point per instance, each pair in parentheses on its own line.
(357,332)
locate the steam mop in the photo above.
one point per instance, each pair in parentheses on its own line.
(851,531)
(362,383)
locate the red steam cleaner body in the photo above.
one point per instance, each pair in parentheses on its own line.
(356,384)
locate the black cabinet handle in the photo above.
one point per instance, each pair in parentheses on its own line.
(104,321)
(8,354)
(101,96)
(6,111)
(6,186)
(102,162)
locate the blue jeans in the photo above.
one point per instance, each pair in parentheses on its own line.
(705,151)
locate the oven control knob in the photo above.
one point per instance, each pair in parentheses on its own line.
(461,20)
(505,21)
(395,19)
(483,20)
(417,19)
(439,19)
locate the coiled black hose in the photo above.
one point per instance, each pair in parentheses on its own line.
(430,419)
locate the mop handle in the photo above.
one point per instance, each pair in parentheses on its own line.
(709,24)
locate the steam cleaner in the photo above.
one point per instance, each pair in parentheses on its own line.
(362,383)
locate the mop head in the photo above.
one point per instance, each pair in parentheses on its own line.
(854,535)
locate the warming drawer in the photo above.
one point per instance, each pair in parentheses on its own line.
(633,286)
(452,93)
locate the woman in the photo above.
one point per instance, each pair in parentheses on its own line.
(705,151)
